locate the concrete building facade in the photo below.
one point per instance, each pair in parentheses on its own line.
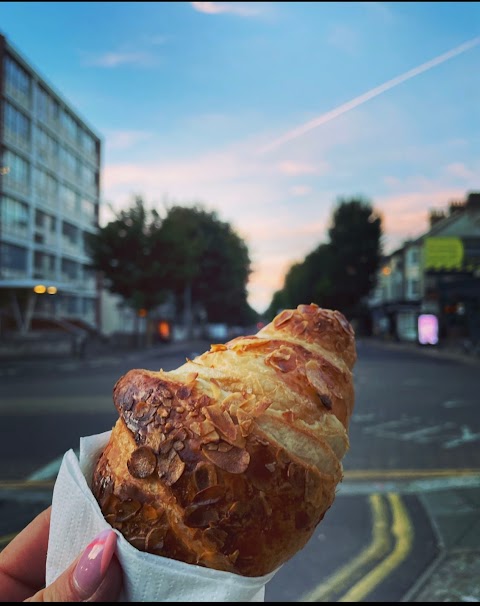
(50,162)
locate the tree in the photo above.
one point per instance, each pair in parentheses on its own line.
(355,240)
(340,273)
(189,253)
(128,252)
(208,263)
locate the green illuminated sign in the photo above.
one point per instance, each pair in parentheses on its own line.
(444,253)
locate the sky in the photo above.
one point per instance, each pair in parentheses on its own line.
(269,113)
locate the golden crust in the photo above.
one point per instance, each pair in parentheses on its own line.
(231,460)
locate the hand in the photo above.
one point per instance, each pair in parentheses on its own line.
(95,576)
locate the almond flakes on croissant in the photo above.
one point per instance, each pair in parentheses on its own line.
(232,460)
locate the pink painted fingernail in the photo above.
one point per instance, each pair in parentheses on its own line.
(94,562)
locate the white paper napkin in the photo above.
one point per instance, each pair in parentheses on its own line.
(77,519)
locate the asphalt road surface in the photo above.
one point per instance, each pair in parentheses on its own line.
(415,430)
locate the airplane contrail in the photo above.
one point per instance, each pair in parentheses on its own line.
(378,90)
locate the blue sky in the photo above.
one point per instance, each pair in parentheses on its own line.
(202,102)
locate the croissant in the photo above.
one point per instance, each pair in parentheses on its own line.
(233,459)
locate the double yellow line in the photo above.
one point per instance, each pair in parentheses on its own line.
(26,484)
(390,545)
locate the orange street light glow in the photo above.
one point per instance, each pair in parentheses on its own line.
(386,271)
(52,290)
(39,289)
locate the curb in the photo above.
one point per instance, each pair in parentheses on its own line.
(425,350)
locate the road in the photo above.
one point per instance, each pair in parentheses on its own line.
(412,475)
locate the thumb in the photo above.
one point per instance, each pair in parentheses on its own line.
(95,576)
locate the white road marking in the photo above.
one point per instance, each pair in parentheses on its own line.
(455,403)
(419,435)
(47,472)
(466,437)
(449,434)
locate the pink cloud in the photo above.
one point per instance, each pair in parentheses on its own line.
(294,169)
(405,215)
(241,9)
(300,190)
(460,171)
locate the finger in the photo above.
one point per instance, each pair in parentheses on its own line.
(94,576)
(22,562)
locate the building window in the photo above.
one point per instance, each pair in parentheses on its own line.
(13,217)
(87,178)
(87,143)
(47,148)
(46,188)
(68,200)
(45,229)
(17,81)
(70,237)
(413,256)
(14,261)
(17,126)
(69,125)
(47,107)
(69,270)
(89,211)
(415,288)
(16,171)
(68,162)
(44,265)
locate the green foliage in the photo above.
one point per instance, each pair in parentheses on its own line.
(143,257)
(206,253)
(126,252)
(355,237)
(340,273)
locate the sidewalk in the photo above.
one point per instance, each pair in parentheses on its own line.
(96,352)
(455,574)
(442,351)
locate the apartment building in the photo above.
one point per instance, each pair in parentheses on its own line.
(438,273)
(49,197)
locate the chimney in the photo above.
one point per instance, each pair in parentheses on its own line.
(456,206)
(473,201)
(436,216)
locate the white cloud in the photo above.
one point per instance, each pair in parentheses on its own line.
(343,38)
(300,190)
(241,9)
(381,9)
(294,169)
(113,59)
(156,39)
(392,182)
(125,139)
